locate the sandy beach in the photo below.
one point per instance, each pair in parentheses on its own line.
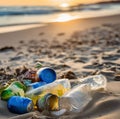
(75,49)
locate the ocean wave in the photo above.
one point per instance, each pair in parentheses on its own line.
(27,10)
(40,10)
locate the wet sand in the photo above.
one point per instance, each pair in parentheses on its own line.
(75,49)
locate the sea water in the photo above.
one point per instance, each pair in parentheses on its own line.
(34,15)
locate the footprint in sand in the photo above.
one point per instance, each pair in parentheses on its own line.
(62,66)
(111,57)
(117,78)
(82,59)
(7,48)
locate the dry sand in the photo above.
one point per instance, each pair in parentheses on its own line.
(74,49)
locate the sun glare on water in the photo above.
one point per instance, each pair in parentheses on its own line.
(64,17)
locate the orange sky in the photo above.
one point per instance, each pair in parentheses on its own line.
(43,2)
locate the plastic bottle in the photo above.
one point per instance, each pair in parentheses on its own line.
(35,85)
(15,88)
(79,96)
(5,85)
(59,88)
(76,99)
(48,102)
(19,105)
(97,82)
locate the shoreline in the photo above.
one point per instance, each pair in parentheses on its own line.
(12,28)
(19,27)
(9,38)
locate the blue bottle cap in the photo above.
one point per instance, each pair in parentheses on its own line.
(46,74)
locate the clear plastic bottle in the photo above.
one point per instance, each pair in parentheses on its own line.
(97,82)
(76,99)
(79,96)
(58,87)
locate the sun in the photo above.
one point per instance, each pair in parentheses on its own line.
(64,5)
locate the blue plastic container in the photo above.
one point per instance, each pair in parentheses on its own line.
(19,105)
(46,74)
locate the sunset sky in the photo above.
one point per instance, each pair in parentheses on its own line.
(44,2)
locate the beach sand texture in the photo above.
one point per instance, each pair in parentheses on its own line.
(75,49)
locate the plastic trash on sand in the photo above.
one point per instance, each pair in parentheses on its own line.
(15,88)
(78,97)
(58,87)
(20,105)
(97,82)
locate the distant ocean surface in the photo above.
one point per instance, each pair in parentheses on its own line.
(22,15)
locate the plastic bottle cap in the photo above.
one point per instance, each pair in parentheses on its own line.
(46,74)
(6,94)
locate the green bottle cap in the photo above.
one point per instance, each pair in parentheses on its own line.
(6,94)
